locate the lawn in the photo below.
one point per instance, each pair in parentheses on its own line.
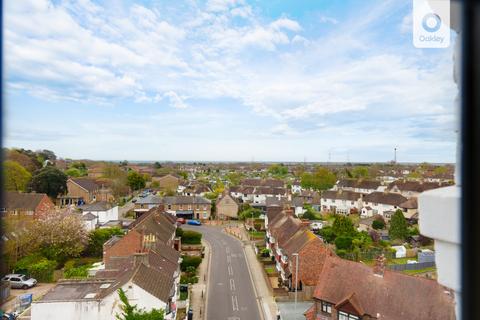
(415,272)
(257,234)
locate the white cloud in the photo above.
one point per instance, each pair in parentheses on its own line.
(176,101)
(326,19)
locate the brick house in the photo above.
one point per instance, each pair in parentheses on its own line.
(168,182)
(341,201)
(85,190)
(190,207)
(227,207)
(348,290)
(27,204)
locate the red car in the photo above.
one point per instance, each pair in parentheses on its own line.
(181,220)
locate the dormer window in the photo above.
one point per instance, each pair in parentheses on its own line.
(326,307)
(346,316)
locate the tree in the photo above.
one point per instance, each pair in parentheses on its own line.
(327,234)
(130,312)
(49,180)
(378,224)
(135,180)
(97,238)
(73,172)
(343,243)
(360,172)
(43,155)
(26,160)
(157,165)
(57,236)
(343,226)
(278,170)
(310,213)
(16,176)
(320,179)
(398,226)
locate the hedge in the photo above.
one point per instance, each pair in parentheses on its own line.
(191,237)
(190,261)
(37,267)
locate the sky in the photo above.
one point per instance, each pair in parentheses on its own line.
(225,80)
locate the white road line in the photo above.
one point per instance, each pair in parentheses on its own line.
(234,303)
(229,259)
(232,284)
(230,270)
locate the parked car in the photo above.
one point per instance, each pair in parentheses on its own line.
(20,281)
(194,222)
(181,220)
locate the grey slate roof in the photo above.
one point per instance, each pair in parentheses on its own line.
(185,200)
(96,206)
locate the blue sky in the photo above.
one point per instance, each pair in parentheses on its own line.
(225,80)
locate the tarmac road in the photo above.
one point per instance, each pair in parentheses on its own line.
(230,293)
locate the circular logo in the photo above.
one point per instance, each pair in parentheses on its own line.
(431,22)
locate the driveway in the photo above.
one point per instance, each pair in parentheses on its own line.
(38,291)
(230,293)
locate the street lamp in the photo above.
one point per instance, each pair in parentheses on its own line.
(296,279)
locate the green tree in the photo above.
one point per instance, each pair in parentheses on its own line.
(343,226)
(16,177)
(320,179)
(135,180)
(49,180)
(73,172)
(378,224)
(26,160)
(278,170)
(132,312)
(327,234)
(343,243)
(360,172)
(157,165)
(398,226)
(97,238)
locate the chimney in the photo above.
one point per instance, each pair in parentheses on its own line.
(139,258)
(379,267)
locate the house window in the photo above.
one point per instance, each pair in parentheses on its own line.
(346,316)
(326,307)
(189,207)
(169,207)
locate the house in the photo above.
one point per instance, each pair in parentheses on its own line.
(410,209)
(192,207)
(382,202)
(147,282)
(341,201)
(168,182)
(27,204)
(296,187)
(196,189)
(413,188)
(227,207)
(348,290)
(85,190)
(144,204)
(359,186)
(102,210)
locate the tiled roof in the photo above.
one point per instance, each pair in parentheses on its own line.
(87,184)
(390,198)
(23,201)
(150,199)
(185,200)
(415,186)
(341,195)
(155,281)
(361,184)
(409,204)
(391,296)
(96,206)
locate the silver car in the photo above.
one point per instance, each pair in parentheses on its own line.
(20,281)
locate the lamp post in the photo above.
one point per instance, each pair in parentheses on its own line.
(296,278)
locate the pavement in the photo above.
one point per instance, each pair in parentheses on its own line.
(230,291)
(198,291)
(38,291)
(289,312)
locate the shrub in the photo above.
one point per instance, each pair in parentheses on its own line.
(190,261)
(343,243)
(378,224)
(186,279)
(78,272)
(97,238)
(37,267)
(191,237)
(179,232)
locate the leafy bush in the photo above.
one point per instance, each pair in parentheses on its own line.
(78,272)
(97,238)
(378,224)
(37,267)
(186,279)
(327,234)
(191,237)
(248,213)
(190,261)
(179,232)
(343,243)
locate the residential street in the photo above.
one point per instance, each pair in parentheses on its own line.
(230,295)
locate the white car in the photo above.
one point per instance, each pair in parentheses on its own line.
(19,281)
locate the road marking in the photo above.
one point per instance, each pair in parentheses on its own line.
(229,259)
(233,318)
(232,284)
(234,303)
(230,270)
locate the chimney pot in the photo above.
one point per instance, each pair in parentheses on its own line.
(379,268)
